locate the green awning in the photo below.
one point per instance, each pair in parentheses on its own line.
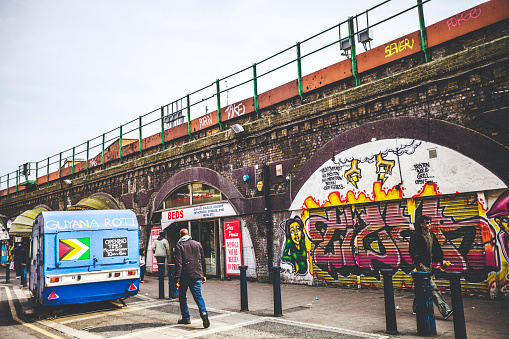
(95,202)
(22,225)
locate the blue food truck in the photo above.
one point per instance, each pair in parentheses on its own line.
(84,256)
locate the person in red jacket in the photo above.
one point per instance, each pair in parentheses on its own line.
(425,249)
(189,273)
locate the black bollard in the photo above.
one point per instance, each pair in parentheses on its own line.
(160,268)
(424,304)
(390,307)
(7,273)
(460,331)
(24,275)
(243,289)
(276,284)
(171,281)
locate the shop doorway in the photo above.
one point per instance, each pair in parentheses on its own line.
(203,231)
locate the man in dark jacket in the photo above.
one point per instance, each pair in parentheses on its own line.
(19,257)
(189,273)
(425,249)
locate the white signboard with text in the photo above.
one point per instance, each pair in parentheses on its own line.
(196,212)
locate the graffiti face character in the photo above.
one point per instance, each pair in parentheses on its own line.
(296,234)
(500,213)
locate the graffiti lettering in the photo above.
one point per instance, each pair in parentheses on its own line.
(206,121)
(398,47)
(422,170)
(355,240)
(465,16)
(235,110)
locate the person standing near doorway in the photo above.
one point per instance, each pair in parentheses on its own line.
(425,249)
(19,258)
(189,273)
(161,248)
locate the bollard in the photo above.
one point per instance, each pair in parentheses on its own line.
(460,331)
(7,273)
(424,304)
(243,289)
(24,275)
(160,268)
(171,281)
(390,307)
(276,284)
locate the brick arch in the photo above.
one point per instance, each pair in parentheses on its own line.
(470,143)
(206,176)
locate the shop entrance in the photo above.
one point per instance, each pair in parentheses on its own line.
(205,232)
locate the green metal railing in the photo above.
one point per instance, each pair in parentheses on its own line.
(172,114)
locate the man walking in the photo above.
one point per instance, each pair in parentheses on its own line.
(19,258)
(425,249)
(189,273)
(161,248)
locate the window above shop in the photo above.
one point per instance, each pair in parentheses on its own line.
(192,194)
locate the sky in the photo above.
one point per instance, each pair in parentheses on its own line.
(73,70)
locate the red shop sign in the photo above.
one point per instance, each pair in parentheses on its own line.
(233,247)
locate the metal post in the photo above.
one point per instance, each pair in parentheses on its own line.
(460,331)
(160,268)
(162,127)
(189,117)
(7,273)
(299,70)
(73,155)
(17,180)
(7,183)
(276,284)
(171,281)
(88,154)
(422,31)
(140,139)
(390,308)
(218,99)
(255,85)
(120,145)
(103,151)
(352,49)
(47,174)
(60,166)
(243,289)
(424,304)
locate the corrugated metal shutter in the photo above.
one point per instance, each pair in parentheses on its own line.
(381,233)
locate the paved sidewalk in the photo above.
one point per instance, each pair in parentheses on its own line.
(345,308)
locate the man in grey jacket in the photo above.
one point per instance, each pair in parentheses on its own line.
(161,248)
(189,273)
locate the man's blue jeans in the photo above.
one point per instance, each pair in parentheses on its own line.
(195,288)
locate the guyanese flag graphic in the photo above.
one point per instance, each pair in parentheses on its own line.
(74,249)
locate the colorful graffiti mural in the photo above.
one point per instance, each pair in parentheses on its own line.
(297,247)
(358,240)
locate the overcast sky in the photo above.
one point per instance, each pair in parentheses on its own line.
(72,70)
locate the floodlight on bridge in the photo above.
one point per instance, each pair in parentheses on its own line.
(237,129)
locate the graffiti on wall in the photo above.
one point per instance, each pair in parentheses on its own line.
(297,246)
(361,239)
(456,20)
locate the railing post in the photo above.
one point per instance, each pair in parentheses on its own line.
(171,281)
(162,127)
(7,183)
(218,100)
(189,117)
(390,308)
(255,86)
(17,180)
(460,331)
(73,155)
(103,151)
(47,173)
(299,71)
(140,135)
(424,304)
(352,49)
(276,284)
(422,31)
(60,166)
(120,145)
(243,289)
(160,268)
(88,155)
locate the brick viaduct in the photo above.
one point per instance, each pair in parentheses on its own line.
(458,100)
